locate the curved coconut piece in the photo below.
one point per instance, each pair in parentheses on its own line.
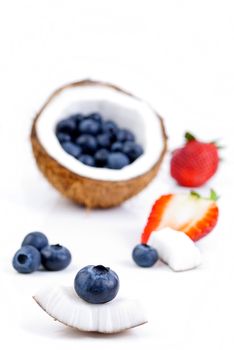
(95,187)
(176,249)
(64,305)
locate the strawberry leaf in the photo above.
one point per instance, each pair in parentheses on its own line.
(189,137)
(195,194)
(217,144)
(213,195)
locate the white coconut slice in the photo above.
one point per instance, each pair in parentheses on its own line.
(98,187)
(64,305)
(176,249)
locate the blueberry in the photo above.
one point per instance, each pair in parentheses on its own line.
(36,239)
(27,259)
(77,118)
(110,128)
(96,116)
(101,157)
(63,137)
(55,257)
(87,160)
(123,135)
(144,255)
(132,150)
(72,149)
(67,126)
(104,140)
(89,126)
(87,143)
(117,147)
(117,160)
(96,284)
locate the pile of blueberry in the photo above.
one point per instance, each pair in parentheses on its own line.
(96,142)
(36,251)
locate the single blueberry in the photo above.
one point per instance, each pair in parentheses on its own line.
(36,239)
(117,160)
(96,284)
(117,147)
(27,259)
(89,126)
(100,157)
(104,140)
(71,148)
(144,255)
(55,257)
(87,159)
(123,135)
(110,128)
(63,137)
(132,150)
(77,118)
(95,116)
(67,126)
(87,143)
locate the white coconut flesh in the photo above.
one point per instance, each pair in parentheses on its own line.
(176,249)
(64,305)
(128,112)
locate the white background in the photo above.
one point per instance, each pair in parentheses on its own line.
(179,55)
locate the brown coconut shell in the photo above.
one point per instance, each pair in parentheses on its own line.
(86,191)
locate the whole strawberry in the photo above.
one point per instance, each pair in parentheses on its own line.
(195,163)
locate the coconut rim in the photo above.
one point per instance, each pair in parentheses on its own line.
(101,84)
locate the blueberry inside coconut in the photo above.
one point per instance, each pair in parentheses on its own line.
(92,305)
(97,144)
(84,133)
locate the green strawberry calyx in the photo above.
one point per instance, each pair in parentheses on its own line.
(189,137)
(213,195)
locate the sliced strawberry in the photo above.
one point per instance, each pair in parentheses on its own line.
(155,217)
(200,228)
(190,213)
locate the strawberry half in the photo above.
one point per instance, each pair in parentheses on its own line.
(195,163)
(190,213)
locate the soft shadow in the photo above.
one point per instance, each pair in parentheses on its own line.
(58,330)
(71,268)
(69,332)
(130,264)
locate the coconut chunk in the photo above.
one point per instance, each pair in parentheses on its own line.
(64,305)
(176,249)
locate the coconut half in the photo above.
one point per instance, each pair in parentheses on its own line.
(64,305)
(89,186)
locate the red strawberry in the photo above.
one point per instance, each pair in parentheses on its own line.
(194,163)
(190,213)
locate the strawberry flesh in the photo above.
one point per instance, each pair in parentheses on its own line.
(183,212)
